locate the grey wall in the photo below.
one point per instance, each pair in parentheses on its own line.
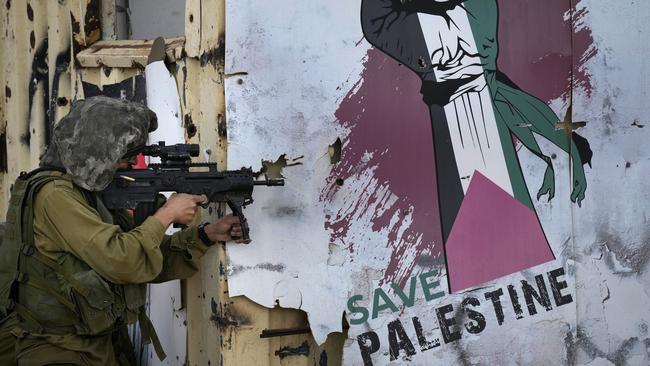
(153,18)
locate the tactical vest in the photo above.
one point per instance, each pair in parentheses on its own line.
(63,296)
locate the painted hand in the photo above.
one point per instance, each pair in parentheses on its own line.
(579,181)
(548,186)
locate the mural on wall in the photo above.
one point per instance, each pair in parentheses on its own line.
(475,112)
(429,137)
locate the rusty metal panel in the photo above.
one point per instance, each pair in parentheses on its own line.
(414,138)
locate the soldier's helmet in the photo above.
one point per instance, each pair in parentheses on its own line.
(93,137)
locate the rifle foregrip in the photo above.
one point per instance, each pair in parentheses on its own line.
(237,211)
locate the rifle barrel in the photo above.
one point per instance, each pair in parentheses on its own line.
(269,182)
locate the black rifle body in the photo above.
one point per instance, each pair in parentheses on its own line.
(138,189)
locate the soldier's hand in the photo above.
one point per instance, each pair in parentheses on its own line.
(225,229)
(179,209)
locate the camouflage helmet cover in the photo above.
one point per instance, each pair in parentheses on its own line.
(95,135)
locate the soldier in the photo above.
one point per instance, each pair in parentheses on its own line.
(73,274)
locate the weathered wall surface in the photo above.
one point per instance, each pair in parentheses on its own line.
(373,224)
(41,76)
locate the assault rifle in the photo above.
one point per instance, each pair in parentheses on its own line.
(137,189)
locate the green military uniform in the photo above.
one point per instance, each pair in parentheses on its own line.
(72,274)
(64,224)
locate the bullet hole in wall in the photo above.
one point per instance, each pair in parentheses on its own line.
(30,12)
(334,151)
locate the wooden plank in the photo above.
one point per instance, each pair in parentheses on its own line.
(193,27)
(60,54)
(127,53)
(38,81)
(4,96)
(85,20)
(18,55)
(213,14)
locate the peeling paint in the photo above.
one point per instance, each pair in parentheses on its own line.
(224,317)
(334,151)
(302,350)
(214,56)
(273,169)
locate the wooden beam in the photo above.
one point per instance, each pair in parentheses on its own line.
(127,53)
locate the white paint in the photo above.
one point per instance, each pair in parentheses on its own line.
(470,115)
(165,308)
(296,59)
(296,54)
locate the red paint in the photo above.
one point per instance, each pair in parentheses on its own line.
(387,117)
(494,235)
(583,50)
(535,46)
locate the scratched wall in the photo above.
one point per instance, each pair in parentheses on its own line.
(430,260)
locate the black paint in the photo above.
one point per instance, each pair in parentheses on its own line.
(221,126)
(541,295)
(514,298)
(584,149)
(92,17)
(302,350)
(450,190)
(422,339)
(3,152)
(40,74)
(447,323)
(214,56)
(478,323)
(558,286)
(61,65)
(398,340)
(184,84)
(7,91)
(436,93)
(323,359)
(368,344)
(494,296)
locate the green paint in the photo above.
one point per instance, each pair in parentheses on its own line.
(520,113)
(410,300)
(380,295)
(357,309)
(428,286)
